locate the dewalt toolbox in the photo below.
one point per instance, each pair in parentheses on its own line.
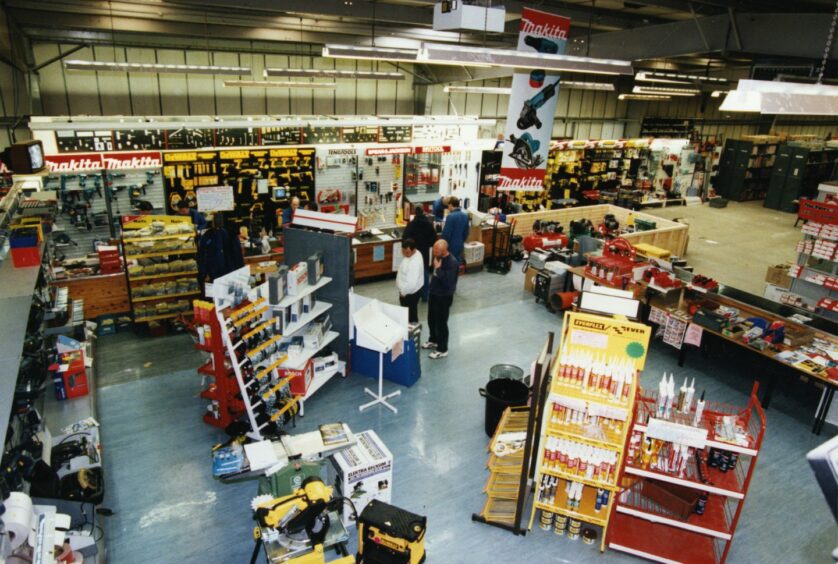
(390,535)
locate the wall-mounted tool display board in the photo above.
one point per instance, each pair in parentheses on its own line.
(238,137)
(359,134)
(379,184)
(280,135)
(337,169)
(139,139)
(84,141)
(321,135)
(185,138)
(263,180)
(395,134)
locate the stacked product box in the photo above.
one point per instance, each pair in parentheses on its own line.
(363,473)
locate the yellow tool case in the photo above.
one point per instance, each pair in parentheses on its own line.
(390,535)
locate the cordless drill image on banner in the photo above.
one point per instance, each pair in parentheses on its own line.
(532,104)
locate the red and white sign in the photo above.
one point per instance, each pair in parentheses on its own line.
(144,159)
(85,162)
(380,151)
(429,149)
(532,104)
(328,221)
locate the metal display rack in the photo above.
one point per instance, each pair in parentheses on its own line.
(648,522)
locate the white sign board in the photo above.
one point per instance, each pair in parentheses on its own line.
(215,198)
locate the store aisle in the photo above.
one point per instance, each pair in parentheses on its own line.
(169,508)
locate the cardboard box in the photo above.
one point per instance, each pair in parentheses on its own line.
(779,276)
(773,292)
(474,252)
(363,473)
(529,279)
(300,379)
(475,234)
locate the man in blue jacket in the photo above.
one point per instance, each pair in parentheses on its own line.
(443,286)
(455,231)
(438,209)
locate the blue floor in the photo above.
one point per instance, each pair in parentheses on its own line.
(168,508)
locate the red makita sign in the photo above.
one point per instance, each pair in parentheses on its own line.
(432,149)
(74,163)
(147,159)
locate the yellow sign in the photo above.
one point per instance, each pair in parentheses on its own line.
(144,221)
(179,157)
(235,154)
(613,338)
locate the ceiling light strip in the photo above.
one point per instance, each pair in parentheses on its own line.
(647,97)
(104,66)
(330,73)
(666,91)
(677,78)
(370,53)
(278,84)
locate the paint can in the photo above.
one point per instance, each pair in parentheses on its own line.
(589,536)
(546,520)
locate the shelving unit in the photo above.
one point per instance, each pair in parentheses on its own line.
(587,418)
(815,274)
(157,293)
(645,526)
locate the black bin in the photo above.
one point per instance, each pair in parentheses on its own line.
(504,389)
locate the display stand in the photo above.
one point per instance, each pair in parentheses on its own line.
(586,420)
(381,328)
(651,521)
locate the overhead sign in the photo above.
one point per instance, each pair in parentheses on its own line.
(432,149)
(380,151)
(146,159)
(90,162)
(532,104)
(215,198)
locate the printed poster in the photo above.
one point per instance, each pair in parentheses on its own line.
(532,104)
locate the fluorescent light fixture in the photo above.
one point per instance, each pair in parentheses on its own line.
(330,73)
(370,53)
(478,89)
(278,84)
(647,97)
(441,54)
(783,98)
(666,91)
(577,85)
(718,93)
(677,78)
(153,68)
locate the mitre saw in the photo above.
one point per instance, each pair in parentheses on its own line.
(300,521)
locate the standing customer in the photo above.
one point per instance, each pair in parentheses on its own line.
(422,232)
(438,209)
(456,228)
(410,279)
(443,286)
(288,213)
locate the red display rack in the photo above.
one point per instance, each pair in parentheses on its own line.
(644,526)
(223,391)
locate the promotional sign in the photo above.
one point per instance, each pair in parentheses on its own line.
(427,150)
(381,151)
(215,198)
(532,104)
(149,159)
(74,163)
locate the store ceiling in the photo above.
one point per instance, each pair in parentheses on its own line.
(711,34)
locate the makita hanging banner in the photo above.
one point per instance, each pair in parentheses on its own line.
(532,104)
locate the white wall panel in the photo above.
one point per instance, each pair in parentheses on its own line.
(81,87)
(201,87)
(144,88)
(51,81)
(112,86)
(228,100)
(173,87)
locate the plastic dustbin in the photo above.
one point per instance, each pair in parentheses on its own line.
(504,389)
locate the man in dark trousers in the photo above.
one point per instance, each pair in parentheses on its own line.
(421,230)
(455,231)
(443,286)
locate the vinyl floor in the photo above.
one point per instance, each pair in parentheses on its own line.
(168,508)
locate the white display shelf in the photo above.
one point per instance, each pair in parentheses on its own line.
(683,482)
(319,381)
(674,523)
(713,444)
(297,362)
(288,300)
(319,309)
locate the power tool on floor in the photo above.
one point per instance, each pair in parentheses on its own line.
(298,521)
(388,534)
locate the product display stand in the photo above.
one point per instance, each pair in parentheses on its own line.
(685,479)
(380,397)
(585,423)
(162,274)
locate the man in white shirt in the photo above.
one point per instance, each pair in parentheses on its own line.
(410,279)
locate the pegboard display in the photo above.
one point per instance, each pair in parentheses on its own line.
(240,137)
(321,135)
(395,134)
(84,141)
(335,183)
(83,212)
(359,134)
(379,189)
(263,180)
(140,140)
(185,138)
(435,133)
(280,135)
(459,175)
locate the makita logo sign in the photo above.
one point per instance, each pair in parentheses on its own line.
(73,164)
(524,183)
(549,30)
(144,161)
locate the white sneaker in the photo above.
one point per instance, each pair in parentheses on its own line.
(428,345)
(437,354)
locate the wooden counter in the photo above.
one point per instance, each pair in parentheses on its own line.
(102,295)
(365,265)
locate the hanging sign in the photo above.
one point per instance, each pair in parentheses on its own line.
(91,162)
(131,160)
(432,149)
(215,198)
(532,104)
(382,151)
